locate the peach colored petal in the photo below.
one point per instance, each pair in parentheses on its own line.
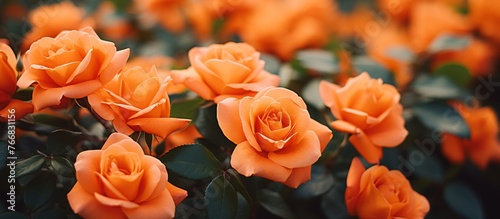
(44,98)
(161,207)
(247,161)
(278,93)
(298,176)
(154,179)
(228,117)
(228,71)
(109,189)
(328,93)
(372,204)
(87,168)
(422,205)
(366,148)
(481,156)
(10,56)
(194,82)
(344,126)
(124,142)
(270,80)
(247,120)
(114,67)
(299,154)
(390,131)
(22,109)
(356,170)
(452,148)
(86,205)
(177,193)
(115,202)
(122,127)
(103,110)
(159,126)
(324,133)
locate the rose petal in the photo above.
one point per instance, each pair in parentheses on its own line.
(159,126)
(177,193)
(356,170)
(371,203)
(194,82)
(228,117)
(161,207)
(324,133)
(344,126)
(366,148)
(329,95)
(453,148)
(52,97)
(115,202)
(300,154)
(154,179)
(85,204)
(87,167)
(298,176)
(389,132)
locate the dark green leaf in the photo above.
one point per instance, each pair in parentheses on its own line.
(373,68)
(238,184)
(449,42)
(221,199)
(318,60)
(121,4)
(272,64)
(39,190)
(310,93)
(149,140)
(13,215)
(438,87)
(321,181)
(333,204)
(4,153)
(208,126)
(442,117)
(29,166)
(52,213)
(243,211)
(274,203)
(185,108)
(61,141)
(62,166)
(456,72)
(192,161)
(461,199)
(401,53)
(23,94)
(59,120)
(430,168)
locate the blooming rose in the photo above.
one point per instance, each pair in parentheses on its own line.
(276,139)
(380,193)
(50,20)
(8,75)
(72,65)
(221,71)
(369,110)
(119,181)
(137,101)
(483,145)
(484,15)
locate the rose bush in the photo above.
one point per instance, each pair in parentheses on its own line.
(119,181)
(276,139)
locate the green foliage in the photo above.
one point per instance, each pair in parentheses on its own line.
(185,108)
(324,62)
(448,42)
(39,190)
(461,199)
(442,117)
(456,72)
(437,87)
(274,203)
(221,199)
(62,166)
(29,166)
(321,181)
(61,141)
(373,68)
(208,126)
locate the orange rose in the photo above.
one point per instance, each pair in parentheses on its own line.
(221,71)
(50,20)
(369,110)
(137,101)
(485,16)
(72,65)
(276,139)
(8,75)
(483,145)
(380,193)
(119,181)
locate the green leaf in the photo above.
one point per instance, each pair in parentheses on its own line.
(274,203)
(463,201)
(449,42)
(13,215)
(333,204)
(61,141)
(442,117)
(149,140)
(243,210)
(192,161)
(373,68)
(29,166)
(321,181)
(272,64)
(221,199)
(61,121)
(438,87)
(208,126)
(62,166)
(185,108)
(456,72)
(401,53)
(238,184)
(121,5)
(4,153)
(52,213)
(39,190)
(430,168)
(318,60)
(23,94)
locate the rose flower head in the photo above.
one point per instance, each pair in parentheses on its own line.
(8,75)
(381,193)
(74,64)
(120,181)
(228,70)
(276,139)
(369,110)
(136,100)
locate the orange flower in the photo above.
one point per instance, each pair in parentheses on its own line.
(444,19)
(137,101)
(369,110)
(221,71)
(72,65)
(283,27)
(380,193)
(483,145)
(478,57)
(486,17)
(8,75)
(50,20)
(276,139)
(119,181)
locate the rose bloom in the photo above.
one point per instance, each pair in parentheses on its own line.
(228,70)
(50,20)
(483,145)
(8,75)
(381,193)
(369,110)
(485,17)
(276,139)
(136,100)
(120,181)
(74,64)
